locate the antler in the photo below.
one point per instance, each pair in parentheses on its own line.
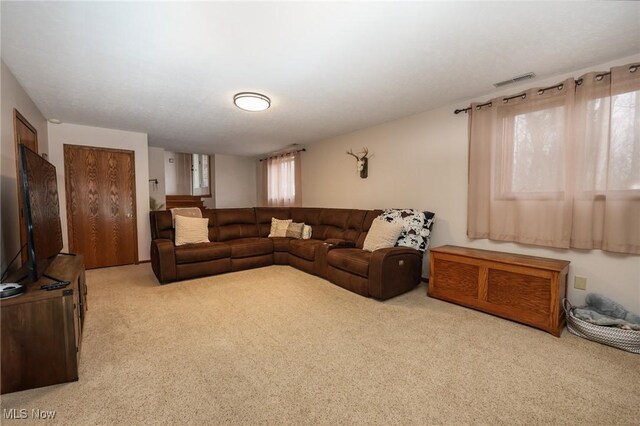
(366,152)
(350,152)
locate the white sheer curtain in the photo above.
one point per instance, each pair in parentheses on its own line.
(281,180)
(559,166)
(606,209)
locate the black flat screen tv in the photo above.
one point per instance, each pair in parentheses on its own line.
(41,212)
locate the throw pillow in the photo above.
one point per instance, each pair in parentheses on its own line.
(306,232)
(191,230)
(417,227)
(382,234)
(279,227)
(294,230)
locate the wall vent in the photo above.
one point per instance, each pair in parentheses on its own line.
(527,76)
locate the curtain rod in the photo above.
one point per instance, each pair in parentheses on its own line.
(284,153)
(632,68)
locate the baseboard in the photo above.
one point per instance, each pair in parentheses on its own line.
(424,280)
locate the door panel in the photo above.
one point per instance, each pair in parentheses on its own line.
(101,206)
(24,133)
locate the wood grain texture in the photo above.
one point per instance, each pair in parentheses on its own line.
(483,283)
(527,292)
(44,209)
(101,205)
(41,330)
(528,297)
(503,257)
(26,134)
(178,201)
(456,279)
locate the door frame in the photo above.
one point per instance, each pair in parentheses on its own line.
(17,117)
(68,198)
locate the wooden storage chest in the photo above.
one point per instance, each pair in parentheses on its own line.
(521,288)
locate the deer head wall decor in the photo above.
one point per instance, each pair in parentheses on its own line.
(362,162)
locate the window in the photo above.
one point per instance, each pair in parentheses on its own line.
(281,180)
(534,151)
(624,173)
(559,166)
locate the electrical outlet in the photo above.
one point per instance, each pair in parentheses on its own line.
(580,283)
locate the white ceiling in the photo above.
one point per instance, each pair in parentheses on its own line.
(171,69)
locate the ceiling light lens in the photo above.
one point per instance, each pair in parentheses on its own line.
(250,101)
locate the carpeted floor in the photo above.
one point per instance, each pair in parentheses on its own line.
(278,346)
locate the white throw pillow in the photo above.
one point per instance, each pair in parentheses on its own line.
(191,230)
(306,232)
(382,234)
(279,227)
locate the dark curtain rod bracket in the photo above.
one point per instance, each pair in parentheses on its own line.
(284,153)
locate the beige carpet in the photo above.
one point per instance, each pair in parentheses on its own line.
(278,346)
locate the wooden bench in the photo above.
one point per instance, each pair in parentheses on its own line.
(521,288)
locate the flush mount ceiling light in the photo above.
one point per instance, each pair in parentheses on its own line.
(250,101)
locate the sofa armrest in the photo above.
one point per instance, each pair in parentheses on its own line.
(163,260)
(393,271)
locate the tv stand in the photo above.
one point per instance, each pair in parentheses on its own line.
(42,330)
(55,279)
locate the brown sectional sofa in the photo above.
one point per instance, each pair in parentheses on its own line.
(239,241)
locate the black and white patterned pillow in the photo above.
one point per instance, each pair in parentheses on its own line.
(417,227)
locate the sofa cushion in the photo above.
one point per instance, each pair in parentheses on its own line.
(162,225)
(354,225)
(305,249)
(306,215)
(202,252)
(353,260)
(186,212)
(235,216)
(233,224)
(246,247)
(211,215)
(264,215)
(280,243)
(234,232)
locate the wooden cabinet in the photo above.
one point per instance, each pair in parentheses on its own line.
(522,288)
(42,330)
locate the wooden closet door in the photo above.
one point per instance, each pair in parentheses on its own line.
(101,205)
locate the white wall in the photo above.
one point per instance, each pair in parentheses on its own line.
(156,171)
(177,173)
(210,202)
(421,162)
(73,134)
(235,181)
(12,95)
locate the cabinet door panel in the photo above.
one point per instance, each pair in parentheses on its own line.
(526,296)
(455,280)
